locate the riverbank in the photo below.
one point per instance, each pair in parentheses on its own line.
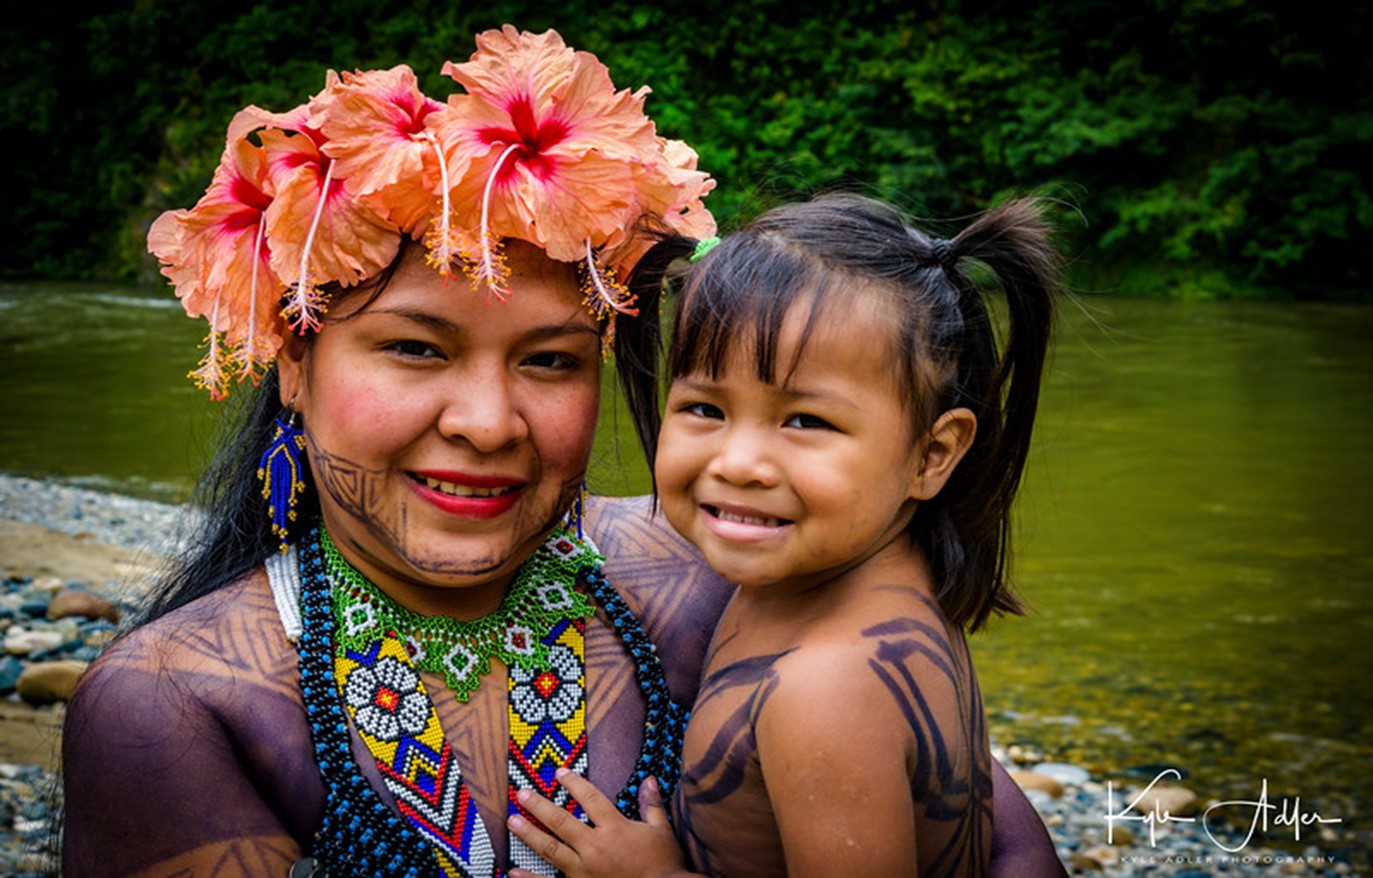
(55,538)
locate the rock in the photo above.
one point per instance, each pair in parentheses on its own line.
(1165,799)
(1023,755)
(1103,855)
(49,584)
(1031,780)
(35,607)
(47,682)
(1083,863)
(74,602)
(1121,836)
(10,669)
(1068,775)
(99,638)
(37,864)
(19,641)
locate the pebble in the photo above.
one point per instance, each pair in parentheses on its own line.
(1067,775)
(22,641)
(112,519)
(49,682)
(79,602)
(1164,799)
(1041,783)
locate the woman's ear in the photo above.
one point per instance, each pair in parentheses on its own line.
(291,368)
(941,450)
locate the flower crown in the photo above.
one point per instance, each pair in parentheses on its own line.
(539,147)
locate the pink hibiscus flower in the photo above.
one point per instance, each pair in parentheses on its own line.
(217,258)
(541,148)
(374,122)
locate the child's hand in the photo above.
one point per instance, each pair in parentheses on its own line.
(615,847)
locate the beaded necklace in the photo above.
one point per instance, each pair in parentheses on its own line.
(542,595)
(359,833)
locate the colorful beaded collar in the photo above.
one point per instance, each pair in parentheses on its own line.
(360,832)
(544,593)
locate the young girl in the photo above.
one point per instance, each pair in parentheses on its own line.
(843,439)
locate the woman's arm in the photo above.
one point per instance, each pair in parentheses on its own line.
(181,752)
(1020,844)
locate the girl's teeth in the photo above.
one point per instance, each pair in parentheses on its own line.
(744,519)
(463,490)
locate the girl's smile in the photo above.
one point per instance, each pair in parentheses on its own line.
(741,523)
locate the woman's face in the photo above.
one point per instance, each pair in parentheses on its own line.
(447,435)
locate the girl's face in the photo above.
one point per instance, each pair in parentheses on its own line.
(799,482)
(447,435)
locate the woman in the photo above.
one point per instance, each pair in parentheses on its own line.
(323,708)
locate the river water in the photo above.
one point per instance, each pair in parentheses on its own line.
(1193,536)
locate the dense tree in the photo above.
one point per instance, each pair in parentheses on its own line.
(1211,146)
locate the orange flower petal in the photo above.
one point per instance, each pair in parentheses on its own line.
(570,177)
(350,241)
(376,134)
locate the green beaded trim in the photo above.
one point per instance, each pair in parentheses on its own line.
(543,594)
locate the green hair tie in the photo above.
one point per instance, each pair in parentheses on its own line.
(704,246)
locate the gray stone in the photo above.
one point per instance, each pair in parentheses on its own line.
(1068,775)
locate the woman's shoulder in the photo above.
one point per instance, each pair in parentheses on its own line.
(669,587)
(229,638)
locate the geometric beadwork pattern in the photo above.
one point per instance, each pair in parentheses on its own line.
(548,730)
(397,721)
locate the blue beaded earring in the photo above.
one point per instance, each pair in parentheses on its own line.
(280,472)
(574,512)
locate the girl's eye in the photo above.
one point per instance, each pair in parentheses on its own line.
(413,348)
(704,410)
(556,360)
(808,422)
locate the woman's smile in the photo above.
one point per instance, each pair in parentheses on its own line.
(468,495)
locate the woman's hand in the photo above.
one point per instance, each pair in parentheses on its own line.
(613,847)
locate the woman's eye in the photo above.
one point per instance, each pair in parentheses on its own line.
(808,422)
(552,360)
(704,410)
(413,348)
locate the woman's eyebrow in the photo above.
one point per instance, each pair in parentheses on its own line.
(423,317)
(572,327)
(442,324)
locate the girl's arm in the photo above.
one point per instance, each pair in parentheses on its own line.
(834,752)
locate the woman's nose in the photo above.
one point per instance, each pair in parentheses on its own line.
(483,411)
(744,457)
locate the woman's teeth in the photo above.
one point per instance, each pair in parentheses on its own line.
(455,490)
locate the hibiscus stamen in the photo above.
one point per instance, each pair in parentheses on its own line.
(601,281)
(248,354)
(440,239)
(491,267)
(209,375)
(306,298)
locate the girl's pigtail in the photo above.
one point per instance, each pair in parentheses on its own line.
(639,342)
(1015,241)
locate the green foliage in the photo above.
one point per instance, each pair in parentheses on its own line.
(1221,141)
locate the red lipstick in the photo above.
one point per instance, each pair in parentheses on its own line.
(467,495)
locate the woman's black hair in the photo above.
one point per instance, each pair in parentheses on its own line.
(824,254)
(231,532)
